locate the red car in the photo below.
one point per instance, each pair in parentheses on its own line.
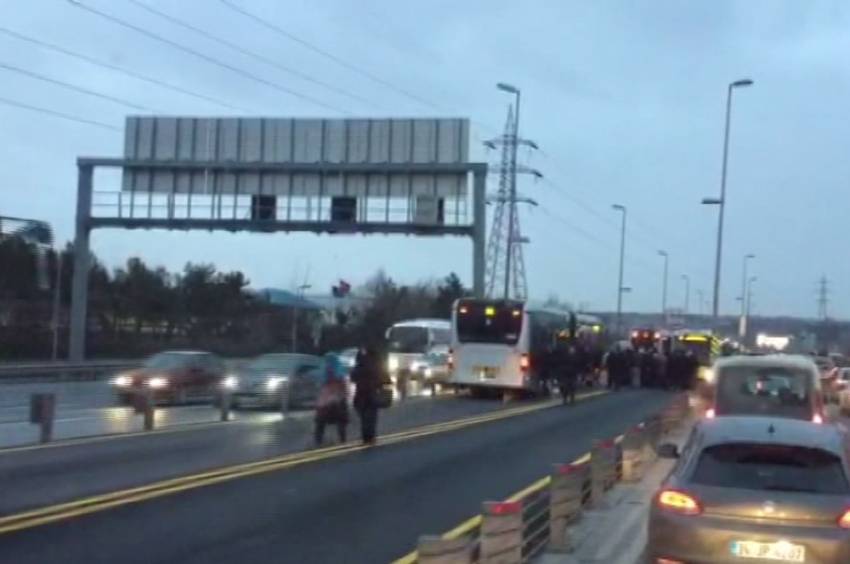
(172,377)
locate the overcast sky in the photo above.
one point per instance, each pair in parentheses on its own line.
(625,99)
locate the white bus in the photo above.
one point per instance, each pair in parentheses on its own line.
(499,344)
(409,341)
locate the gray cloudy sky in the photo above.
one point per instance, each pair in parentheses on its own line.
(626,100)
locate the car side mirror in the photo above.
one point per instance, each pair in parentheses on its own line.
(668,450)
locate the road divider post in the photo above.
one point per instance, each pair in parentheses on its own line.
(567,495)
(603,469)
(226,402)
(433,549)
(501,532)
(634,447)
(143,403)
(42,413)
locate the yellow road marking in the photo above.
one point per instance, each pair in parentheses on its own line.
(475,521)
(102,502)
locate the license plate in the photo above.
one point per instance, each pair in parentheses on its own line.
(486,372)
(781,551)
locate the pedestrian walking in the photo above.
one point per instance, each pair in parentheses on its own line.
(569,367)
(367,376)
(332,404)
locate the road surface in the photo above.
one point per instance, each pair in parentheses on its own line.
(362,506)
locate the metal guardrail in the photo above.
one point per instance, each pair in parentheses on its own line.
(536,518)
(89,370)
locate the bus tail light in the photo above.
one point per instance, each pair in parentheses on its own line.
(450,361)
(524,362)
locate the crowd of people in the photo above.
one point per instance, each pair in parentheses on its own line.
(570,364)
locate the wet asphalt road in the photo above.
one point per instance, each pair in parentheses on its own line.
(366,507)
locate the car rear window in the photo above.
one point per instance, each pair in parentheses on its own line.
(771,467)
(774,391)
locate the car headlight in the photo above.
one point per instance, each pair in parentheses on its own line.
(392,364)
(157,382)
(122,381)
(429,372)
(231,382)
(708,375)
(275,382)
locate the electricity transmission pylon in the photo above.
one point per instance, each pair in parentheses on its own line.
(506,277)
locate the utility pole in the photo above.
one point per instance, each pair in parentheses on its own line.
(664,284)
(823,298)
(687,280)
(620,289)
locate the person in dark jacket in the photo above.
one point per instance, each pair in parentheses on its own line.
(367,378)
(569,368)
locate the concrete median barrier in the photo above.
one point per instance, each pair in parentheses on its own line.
(551,520)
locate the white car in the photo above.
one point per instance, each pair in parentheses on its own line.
(842,386)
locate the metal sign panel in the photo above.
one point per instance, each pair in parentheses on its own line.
(285,140)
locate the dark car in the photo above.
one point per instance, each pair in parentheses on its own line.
(172,377)
(754,489)
(271,379)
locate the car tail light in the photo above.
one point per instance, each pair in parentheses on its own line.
(844,520)
(817,418)
(679,502)
(710,413)
(524,362)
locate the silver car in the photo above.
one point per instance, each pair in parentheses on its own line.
(271,379)
(754,489)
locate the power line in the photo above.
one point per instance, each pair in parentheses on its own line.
(200,55)
(74,87)
(110,66)
(350,66)
(62,115)
(247,52)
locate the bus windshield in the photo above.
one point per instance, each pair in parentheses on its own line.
(481,322)
(408,339)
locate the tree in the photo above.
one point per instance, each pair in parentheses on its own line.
(450,290)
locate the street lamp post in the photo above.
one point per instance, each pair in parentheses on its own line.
(750,294)
(722,200)
(622,209)
(687,280)
(512,207)
(664,283)
(742,326)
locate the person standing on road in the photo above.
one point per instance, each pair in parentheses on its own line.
(332,404)
(367,378)
(568,371)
